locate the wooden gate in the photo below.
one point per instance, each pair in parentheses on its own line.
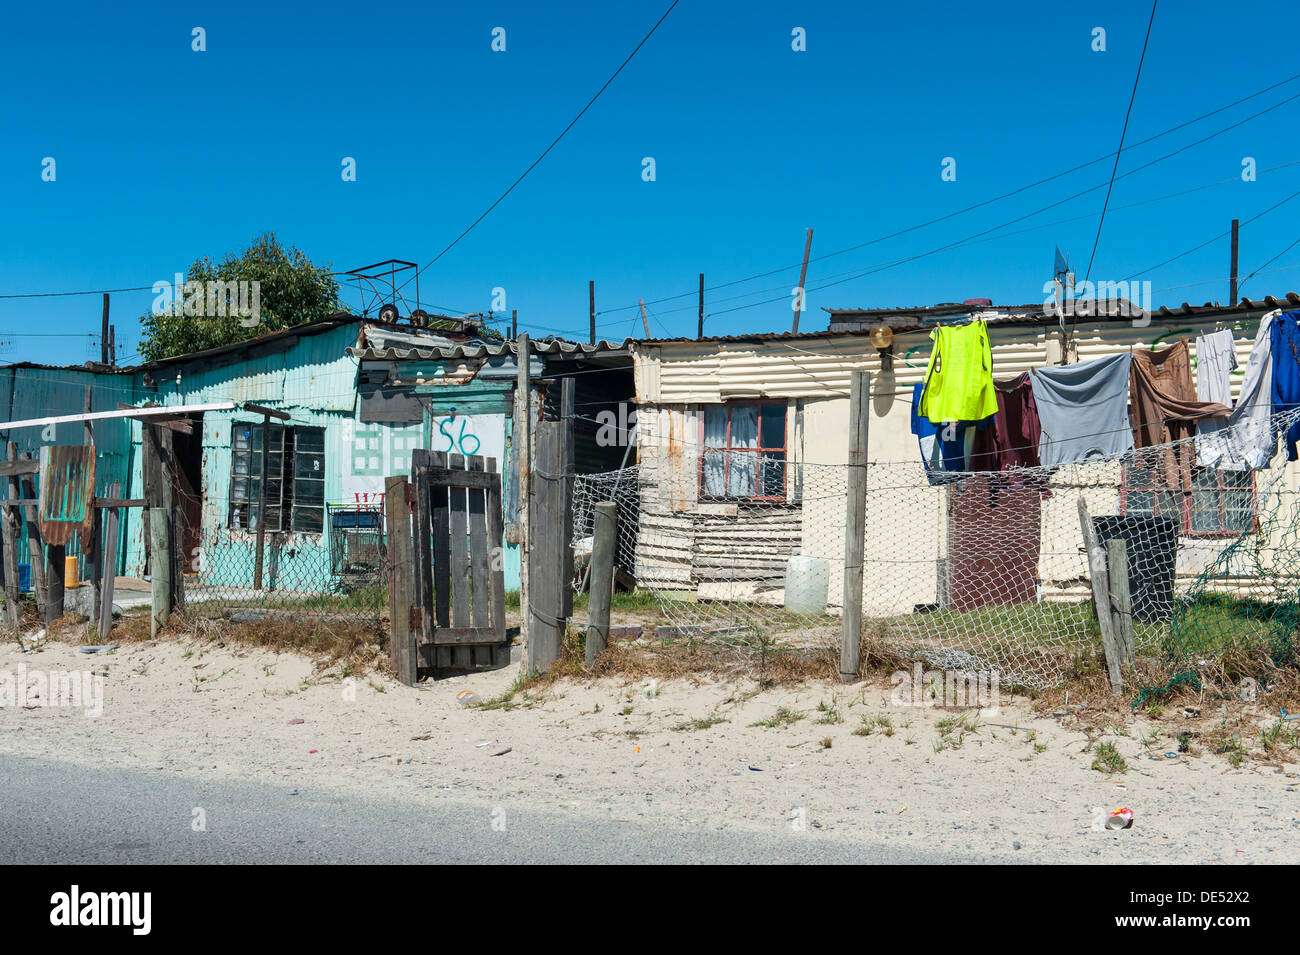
(458,600)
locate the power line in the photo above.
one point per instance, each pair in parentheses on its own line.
(554,142)
(1123,132)
(100,291)
(1005,195)
(1268,263)
(1029,215)
(1212,239)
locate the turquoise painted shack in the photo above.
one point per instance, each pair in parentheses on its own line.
(360,397)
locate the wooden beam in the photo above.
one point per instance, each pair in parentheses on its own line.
(36,559)
(10,542)
(266,412)
(17,467)
(109,565)
(1100,580)
(402,644)
(855,534)
(603,546)
(143,413)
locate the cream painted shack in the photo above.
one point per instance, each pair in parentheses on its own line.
(742,447)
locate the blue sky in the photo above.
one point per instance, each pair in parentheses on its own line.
(164,154)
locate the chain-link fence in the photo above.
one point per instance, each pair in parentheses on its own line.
(973,571)
(338,575)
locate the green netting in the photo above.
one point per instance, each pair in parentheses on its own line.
(1248,597)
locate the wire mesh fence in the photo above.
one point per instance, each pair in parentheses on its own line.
(339,575)
(972,571)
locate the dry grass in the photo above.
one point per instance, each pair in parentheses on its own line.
(354,646)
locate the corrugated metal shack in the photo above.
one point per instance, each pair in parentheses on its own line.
(360,396)
(699,538)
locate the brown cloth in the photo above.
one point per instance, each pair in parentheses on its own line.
(1010,440)
(1164,409)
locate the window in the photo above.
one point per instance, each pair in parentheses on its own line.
(1221,502)
(295,479)
(743,450)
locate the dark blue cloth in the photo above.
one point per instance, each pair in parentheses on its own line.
(952,449)
(922,427)
(1284,337)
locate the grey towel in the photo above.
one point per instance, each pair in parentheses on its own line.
(1083,410)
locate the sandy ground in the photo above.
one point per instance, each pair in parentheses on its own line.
(634,752)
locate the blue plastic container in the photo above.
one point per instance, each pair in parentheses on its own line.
(25,578)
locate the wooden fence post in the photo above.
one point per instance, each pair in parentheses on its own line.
(1101,597)
(10,530)
(601,578)
(401,589)
(568,389)
(160,578)
(547,536)
(1120,597)
(522,436)
(855,530)
(108,563)
(92,554)
(35,557)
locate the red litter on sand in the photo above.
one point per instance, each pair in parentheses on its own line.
(1121,818)
(296,722)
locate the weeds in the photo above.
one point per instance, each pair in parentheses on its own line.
(1108,759)
(784,716)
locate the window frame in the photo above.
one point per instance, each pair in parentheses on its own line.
(758,450)
(1185,499)
(290,501)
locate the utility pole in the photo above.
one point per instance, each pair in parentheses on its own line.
(1232,280)
(591,297)
(514,324)
(700,333)
(803,272)
(103,334)
(645,323)
(112,346)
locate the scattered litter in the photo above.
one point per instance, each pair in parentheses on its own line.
(637,750)
(100,648)
(1121,818)
(1171,755)
(296,722)
(423,736)
(500,751)
(754,769)
(466,697)
(486,742)
(1016,846)
(1289,716)
(313,751)
(901,811)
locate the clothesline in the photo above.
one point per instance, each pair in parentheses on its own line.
(966,422)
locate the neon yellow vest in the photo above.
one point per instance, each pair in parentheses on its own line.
(959,379)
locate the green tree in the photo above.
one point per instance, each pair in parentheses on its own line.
(290,288)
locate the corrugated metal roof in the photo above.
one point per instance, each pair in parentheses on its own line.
(293,332)
(385,343)
(1114,310)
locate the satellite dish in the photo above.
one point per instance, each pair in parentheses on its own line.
(388,313)
(882,336)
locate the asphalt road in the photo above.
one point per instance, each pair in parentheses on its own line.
(54,812)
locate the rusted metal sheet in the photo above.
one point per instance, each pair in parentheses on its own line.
(67,493)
